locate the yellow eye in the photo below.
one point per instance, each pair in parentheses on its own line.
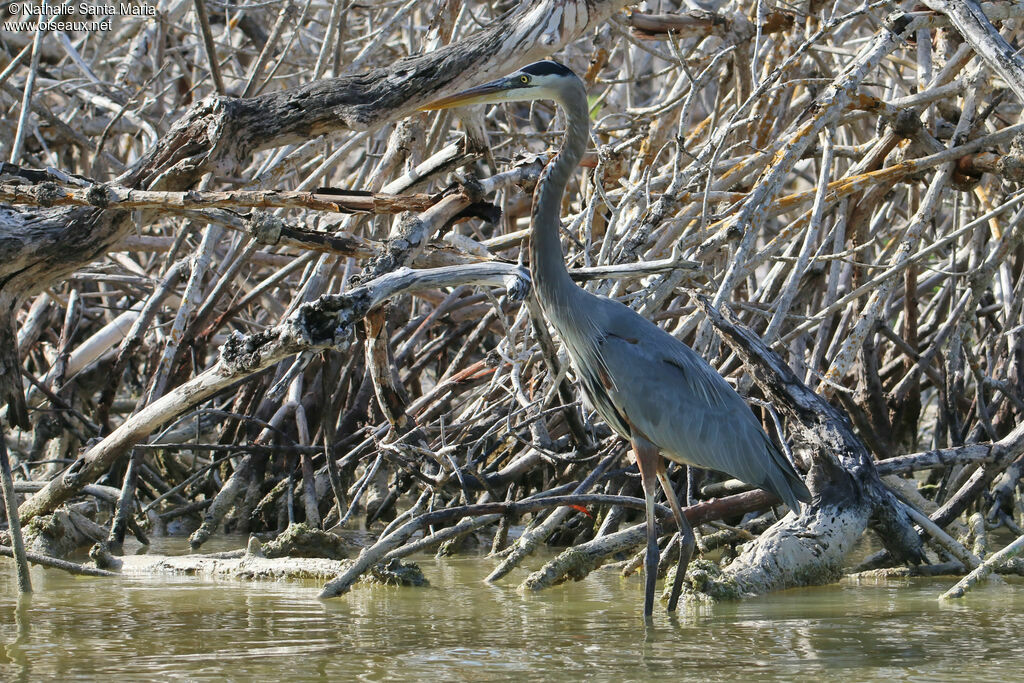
(524,79)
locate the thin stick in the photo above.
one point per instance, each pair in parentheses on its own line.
(55,563)
(984,569)
(211,50)
(26,101)
(10,504)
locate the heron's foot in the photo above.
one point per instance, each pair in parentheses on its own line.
(677,581)
(687,542)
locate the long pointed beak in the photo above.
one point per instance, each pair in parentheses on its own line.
(481,94)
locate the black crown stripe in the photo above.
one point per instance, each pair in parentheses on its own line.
(547,68)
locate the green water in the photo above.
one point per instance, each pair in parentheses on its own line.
(187,628)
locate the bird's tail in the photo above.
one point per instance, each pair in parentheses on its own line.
(784,481)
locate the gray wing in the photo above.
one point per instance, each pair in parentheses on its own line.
(680,403)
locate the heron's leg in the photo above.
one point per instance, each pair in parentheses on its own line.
(686,538)
(647,460)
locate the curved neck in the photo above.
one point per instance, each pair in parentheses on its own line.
(547,268)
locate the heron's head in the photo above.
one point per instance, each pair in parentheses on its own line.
(544,80)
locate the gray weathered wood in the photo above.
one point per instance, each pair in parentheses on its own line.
(968,18)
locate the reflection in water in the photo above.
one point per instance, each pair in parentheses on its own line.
(15,649)
(463,629)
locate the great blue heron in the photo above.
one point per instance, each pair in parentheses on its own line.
(646,384)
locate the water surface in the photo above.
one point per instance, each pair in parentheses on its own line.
(187,628)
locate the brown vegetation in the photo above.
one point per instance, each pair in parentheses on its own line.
(209,303)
